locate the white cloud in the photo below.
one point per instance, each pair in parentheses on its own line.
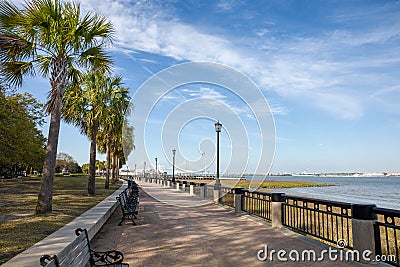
(261,32)
(217,97)
(211,94)
(227,5)
(278,110)
(315,70)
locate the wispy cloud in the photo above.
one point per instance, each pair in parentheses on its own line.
(327,70)
(227,5)
(217,99)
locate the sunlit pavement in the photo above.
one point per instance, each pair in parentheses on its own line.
(189,231)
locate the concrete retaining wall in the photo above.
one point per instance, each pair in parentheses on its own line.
(92,220)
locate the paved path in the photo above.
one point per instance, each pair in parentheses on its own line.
(197,235)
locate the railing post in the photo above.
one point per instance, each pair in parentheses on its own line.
(191,188)
(237,199)
(277,199)
(217,195)
(203,190)
(184,186)
(363,221)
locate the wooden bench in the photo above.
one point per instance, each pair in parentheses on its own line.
(78,253)
(129,203)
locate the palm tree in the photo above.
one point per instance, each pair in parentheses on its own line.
(90,105)
(111,126)
(49,37)
(117,143)
(121,147)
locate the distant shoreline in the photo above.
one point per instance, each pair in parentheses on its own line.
(328,175)
(266,184)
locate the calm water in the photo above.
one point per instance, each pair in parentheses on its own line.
(381,191)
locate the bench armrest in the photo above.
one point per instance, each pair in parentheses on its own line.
(106,258)
(47,260)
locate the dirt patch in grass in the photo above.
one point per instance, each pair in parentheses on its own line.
(20,228)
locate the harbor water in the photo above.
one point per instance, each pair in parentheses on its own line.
(381,191)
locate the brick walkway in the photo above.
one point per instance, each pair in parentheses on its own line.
(205,235)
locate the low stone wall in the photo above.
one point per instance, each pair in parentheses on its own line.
(92,220)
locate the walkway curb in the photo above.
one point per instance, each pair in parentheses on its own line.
(92,220)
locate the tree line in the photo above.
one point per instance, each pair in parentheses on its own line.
(52,39)
(21,142)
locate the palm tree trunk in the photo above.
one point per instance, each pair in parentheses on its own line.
(58,85)
(92,162)
(117,170)
(113,168)
(107,185)
(44,204)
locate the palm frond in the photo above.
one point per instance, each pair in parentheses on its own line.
(45,65)
(13,47)
(94,26)
(9,15)
(14,71)
(96,58)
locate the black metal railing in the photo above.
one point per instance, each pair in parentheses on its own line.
(326,220)
(227,196)
(387,235)
(257,204)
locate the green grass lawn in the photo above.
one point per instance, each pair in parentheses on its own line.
(20,228)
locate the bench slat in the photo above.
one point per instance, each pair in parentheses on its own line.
(82,248)
(51,263)
(81,259)
(67,250)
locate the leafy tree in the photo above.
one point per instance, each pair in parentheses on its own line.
(64,160)
(52,39)
(85,168)
(21,142)
(100,165)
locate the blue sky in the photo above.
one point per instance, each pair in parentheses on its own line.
(330,71)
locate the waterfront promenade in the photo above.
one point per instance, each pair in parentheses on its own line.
(189,231)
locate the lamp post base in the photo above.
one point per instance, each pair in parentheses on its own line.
(217,185)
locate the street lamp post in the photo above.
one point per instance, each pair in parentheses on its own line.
(173,165)
(144,170)
(217,185)
(156,167)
